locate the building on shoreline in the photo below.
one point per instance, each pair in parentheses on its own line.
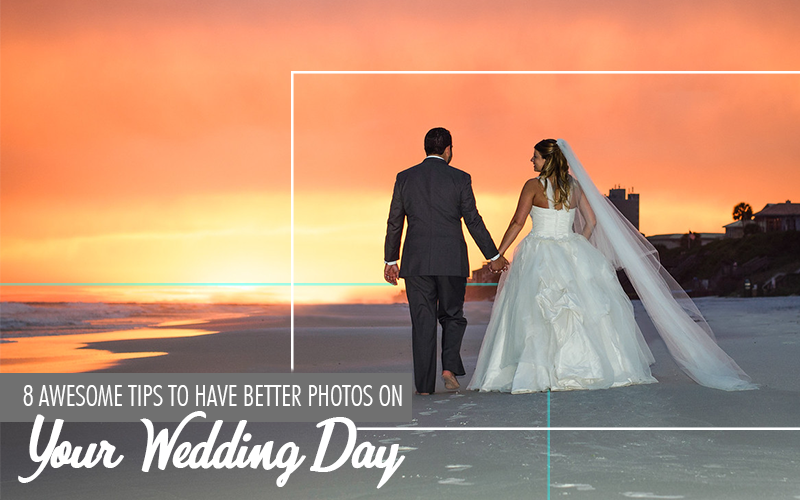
(676,240)
(628,206)
(736,228)
(779,217)
(482,285)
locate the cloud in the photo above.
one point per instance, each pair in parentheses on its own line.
(152,121)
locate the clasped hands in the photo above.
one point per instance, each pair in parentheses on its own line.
(498,265)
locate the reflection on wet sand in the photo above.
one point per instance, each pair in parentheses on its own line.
(71,354)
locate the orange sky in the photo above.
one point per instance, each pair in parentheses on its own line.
(150,142)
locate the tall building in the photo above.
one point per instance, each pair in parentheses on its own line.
(628,206)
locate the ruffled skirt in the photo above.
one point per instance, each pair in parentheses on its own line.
(561,321)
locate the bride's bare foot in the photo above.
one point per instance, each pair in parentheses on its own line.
(450,382)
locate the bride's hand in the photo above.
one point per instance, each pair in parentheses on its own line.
(498,265)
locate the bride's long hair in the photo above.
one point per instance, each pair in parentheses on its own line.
(555,167)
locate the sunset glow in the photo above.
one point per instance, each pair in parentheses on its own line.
(151,143)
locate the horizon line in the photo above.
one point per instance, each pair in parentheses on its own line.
(222,284)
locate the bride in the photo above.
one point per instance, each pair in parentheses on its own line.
(561,320)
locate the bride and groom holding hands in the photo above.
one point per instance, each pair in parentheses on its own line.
(560,320)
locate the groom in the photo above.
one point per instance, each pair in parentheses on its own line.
(434,197)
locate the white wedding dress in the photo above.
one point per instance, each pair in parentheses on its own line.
(561,320)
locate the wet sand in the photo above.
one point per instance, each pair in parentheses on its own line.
(608,461)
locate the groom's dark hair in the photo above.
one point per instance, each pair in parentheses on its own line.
(436,140)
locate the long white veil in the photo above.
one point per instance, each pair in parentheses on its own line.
(677,319)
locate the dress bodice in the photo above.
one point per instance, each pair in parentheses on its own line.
(549,222)
(552,223)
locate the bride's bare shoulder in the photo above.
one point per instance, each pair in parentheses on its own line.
(533,185)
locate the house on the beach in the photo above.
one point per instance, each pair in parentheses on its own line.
(736,228)
(779,217)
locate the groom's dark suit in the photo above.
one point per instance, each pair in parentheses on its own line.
(434,197)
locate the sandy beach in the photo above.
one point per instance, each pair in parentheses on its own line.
(593,453)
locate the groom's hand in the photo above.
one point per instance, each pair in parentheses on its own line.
(391,273)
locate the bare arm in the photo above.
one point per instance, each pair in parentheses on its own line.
(520,215)
(588,214)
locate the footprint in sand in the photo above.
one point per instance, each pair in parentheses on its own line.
(455,481)
(636,494)
(579,487)
(458,467)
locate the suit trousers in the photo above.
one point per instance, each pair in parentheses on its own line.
(432,298)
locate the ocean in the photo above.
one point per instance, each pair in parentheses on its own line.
(35,319)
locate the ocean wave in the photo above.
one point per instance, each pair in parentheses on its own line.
(25,319)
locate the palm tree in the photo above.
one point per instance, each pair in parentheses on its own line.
(743,212)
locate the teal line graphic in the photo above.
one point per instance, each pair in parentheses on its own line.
(548,444)
(215,284)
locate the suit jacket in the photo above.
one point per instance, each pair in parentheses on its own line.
(434,197)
